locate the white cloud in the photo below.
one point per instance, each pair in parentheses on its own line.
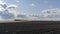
(33,5)
(1,2)
(51,11)
(5,10)
(48,14)
(51,14)
(18,1)
(1,8)
(11,8)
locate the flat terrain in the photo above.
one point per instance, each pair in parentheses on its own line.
(29,26)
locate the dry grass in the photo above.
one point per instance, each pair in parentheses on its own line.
(10,21)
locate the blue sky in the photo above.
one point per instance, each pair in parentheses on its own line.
(37,7)
(34,6)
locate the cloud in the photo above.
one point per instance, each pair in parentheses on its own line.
(1,2)
(51,14)
(11,8)
(51,11)
(1,8)
(48,14)
(7,11)
(33,5)
(18,1)
(22,16)
(7,16)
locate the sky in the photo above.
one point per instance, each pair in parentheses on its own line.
(34,6)
(32,9)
